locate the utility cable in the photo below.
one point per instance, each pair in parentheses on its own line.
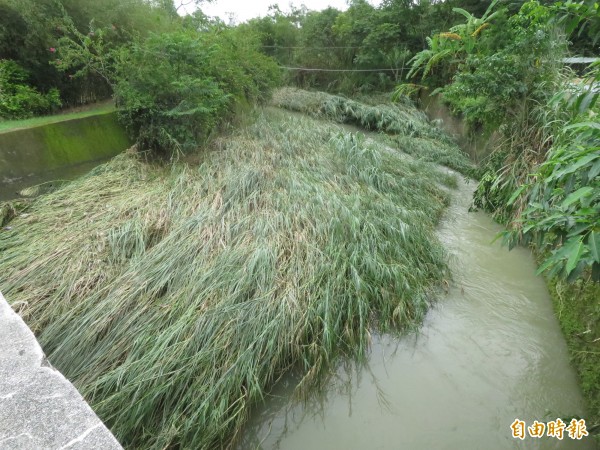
(313,48)
(307,69)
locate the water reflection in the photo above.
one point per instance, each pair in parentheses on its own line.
(10,188)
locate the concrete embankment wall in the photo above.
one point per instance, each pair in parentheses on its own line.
(49,147)
(476,143)
(39,408)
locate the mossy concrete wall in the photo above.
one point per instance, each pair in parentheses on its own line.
(49,147)
(476,143)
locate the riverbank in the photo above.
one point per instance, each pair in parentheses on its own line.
(577,308)
(177,296)
(81,112)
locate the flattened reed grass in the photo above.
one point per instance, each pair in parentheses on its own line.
(175,297)
(413,132)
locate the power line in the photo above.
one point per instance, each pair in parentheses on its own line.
(307,69)
(312,48)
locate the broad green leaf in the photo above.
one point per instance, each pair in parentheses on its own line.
(576,273)
(467,14)
(574,167)
(516,194)
(574,196)
(594,171)
(579,125)
(579,229)
(594,245)
(489,10)
(574,257)
(571,24)
(587,101)
(548,262)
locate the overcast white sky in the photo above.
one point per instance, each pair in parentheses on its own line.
(247,9)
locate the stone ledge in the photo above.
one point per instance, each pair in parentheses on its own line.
(39,407)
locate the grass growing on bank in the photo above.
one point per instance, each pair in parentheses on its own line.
(174,298)
(576,306)
(410,130)
(11,125)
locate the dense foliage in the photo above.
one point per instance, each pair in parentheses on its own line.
(507,76)
(366,47)
(30,31)
(18,100)
(174,89)
(563,204)
(377,42)
(174,79)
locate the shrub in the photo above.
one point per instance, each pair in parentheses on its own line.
(173,89)
(563,213)
(18,100)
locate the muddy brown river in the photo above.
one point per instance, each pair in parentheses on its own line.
(489,352)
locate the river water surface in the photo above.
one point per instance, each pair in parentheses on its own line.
(9,188)
(489,352)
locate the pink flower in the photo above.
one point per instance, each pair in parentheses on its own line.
(52,50)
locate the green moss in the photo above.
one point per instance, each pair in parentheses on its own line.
(577,307)
(82,140)
(53,146)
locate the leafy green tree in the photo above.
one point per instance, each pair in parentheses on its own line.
(13,31)
(18,100)
(278,33)
(30,32)
(506,75)
(453,47)
(174,89)
(35,26)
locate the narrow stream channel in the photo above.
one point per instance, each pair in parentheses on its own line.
(9,189)
(489,352)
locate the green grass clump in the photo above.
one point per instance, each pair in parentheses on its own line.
(175,297)
(390,118)
(444,153)
(412,131)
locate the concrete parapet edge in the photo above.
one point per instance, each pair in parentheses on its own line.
(39,407)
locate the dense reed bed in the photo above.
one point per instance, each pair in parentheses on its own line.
(410,129)
(175,297)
